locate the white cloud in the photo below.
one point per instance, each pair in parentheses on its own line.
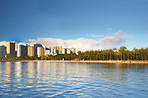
(116,40)
(95,36)
(3,43)
(84,44)
(80,43)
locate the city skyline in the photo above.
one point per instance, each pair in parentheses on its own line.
(85,24)
(13,49)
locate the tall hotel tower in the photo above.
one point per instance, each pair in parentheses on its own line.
(21,50)
(31,50)
(11,48)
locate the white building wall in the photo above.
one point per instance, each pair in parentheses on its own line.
(18,50)
(40,51)
(68,51)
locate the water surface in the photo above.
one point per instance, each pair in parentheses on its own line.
(54,79)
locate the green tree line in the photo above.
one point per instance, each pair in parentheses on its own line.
(113,54)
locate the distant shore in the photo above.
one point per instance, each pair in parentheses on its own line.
(86,61)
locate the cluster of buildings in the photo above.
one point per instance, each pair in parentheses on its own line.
(21,50)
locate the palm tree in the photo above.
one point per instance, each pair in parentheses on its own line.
(136,52)
(115,53)
(122,51)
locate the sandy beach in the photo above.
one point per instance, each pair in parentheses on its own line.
(90,61)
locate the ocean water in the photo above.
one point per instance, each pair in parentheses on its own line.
(72,80)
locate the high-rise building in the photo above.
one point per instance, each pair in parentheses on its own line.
(40,51)
(64,50)
(68,51)
(35,48)
(73,50)
(57,49)
(30,51)
(47,51)
(2,51)
(21,50)
(11,48)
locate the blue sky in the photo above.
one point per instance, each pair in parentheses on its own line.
(21,20)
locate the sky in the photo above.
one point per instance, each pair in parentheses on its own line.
(83,24)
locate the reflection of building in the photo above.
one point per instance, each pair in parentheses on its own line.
(11,48)
(31,71)
(57,49)
(8,71)
(40,51)
(2,51)
(18,69)
(22,50)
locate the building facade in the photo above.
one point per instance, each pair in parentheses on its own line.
(21,50)
(30,51)
(73,50)
(40,51)
(68,51)
(35,48)
(11,48)
(57,49)
(47,51)
(64,50)
(2,51)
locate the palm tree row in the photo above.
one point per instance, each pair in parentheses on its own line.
(113,54)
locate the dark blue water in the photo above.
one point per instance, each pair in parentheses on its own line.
(45,79)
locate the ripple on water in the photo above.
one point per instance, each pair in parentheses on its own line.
(39,79)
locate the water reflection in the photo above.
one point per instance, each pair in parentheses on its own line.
(48,79)
(62,71)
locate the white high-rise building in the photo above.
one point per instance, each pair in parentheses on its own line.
(40,51)
(21,50)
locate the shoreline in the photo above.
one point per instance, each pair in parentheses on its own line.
(85,61)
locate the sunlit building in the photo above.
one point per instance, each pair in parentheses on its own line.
(30,50)
(47,51)
(64,50)
(35,48)
(57,49)
(40,51)
(21,50)
(73,50)
(10,48)
(68,51)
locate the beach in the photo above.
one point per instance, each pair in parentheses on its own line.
(89,61)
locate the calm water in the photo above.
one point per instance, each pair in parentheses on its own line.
(45,79)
